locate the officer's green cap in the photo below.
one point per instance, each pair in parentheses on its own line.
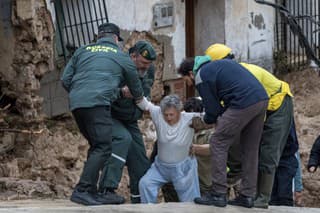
(145,49)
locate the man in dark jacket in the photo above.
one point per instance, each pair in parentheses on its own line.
(92,78)
(235,100)
(314,159)
(127,142)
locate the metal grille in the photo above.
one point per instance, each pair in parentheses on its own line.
(77,23)
(288,48)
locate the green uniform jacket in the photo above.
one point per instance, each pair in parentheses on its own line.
(94,73)
(125,109)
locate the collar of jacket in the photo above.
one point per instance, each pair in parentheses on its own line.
(198,62)
(106,40)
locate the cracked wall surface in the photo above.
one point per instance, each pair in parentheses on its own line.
(27,35)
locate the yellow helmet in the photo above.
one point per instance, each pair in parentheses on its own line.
(218,51)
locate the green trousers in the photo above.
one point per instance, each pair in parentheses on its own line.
(127,149)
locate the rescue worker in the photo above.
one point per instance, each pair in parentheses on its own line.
(276,126)
(282,193)
(91,78)
(127,142)
(241,116)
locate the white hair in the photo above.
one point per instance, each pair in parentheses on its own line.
(171,101)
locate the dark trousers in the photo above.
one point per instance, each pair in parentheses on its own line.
(95,125)
(246,124)
(137,162)
(275,135)
(274,138)
(282,186)
(127,149)
(288,165)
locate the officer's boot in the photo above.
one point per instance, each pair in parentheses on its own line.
(135,200)
(264,190)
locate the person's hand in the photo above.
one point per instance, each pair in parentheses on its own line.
(312,169)
(192,150)
(143,104)
(126,92)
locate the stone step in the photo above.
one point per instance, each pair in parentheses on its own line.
(65,206)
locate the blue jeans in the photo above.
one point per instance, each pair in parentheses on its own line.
(183,175)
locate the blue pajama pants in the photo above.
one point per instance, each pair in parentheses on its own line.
(183,175)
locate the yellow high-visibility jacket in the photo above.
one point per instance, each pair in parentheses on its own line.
(275,88)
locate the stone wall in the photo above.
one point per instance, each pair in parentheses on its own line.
(30,56)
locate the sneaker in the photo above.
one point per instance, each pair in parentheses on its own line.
(212,198)
(84,198)
(110,197)
(242,200)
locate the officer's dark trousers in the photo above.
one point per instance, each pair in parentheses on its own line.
(95,125)
(127,149)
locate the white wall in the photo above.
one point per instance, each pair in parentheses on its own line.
(245,26)
(209,24)
(261,34)
(236,27)
(250,31)
(138,15)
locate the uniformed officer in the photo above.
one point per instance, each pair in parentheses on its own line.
(91,78)
(127,142)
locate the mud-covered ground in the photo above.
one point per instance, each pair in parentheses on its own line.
(47,163)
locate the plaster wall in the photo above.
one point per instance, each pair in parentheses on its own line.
(261,34)
(139,18)
(209,24)
(249,31)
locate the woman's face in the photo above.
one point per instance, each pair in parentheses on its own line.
(171,115)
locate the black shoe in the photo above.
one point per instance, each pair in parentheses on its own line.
(242,200)
(110,197)
(84,198)
(212,198)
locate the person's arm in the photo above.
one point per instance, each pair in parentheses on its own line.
(198,124)
(200,149)
(68,74)
(314,156)
(211,103)
(132,78)
(144,104)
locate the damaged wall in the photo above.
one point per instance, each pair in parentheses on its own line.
(249,31)
(26,34)
(140,18)
(135,24)
(26,41)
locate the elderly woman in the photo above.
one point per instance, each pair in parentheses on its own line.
(173,163)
